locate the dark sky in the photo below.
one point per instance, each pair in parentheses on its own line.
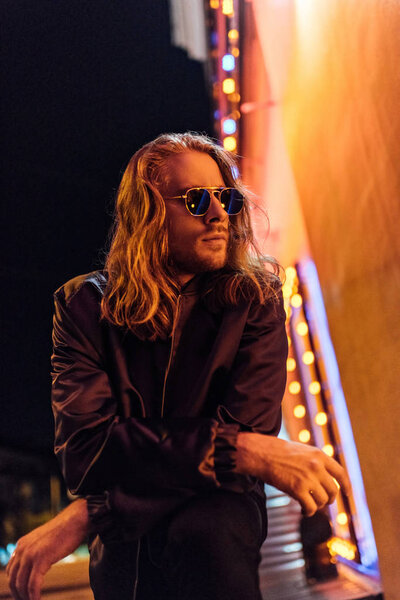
(84,84)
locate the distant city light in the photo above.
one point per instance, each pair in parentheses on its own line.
(229,126)
(228,62)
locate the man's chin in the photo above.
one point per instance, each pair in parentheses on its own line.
(202,265)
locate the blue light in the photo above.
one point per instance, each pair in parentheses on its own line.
(228,62)
(217,114)
(229,126)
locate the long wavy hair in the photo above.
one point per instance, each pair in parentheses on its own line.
(142,288)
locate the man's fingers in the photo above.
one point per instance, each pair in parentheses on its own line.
(308,504)
(35,584)
(319,495)
(339,474)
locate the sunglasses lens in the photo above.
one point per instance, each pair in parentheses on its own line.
(198,201)
(232,201)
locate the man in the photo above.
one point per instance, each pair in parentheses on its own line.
(168,373)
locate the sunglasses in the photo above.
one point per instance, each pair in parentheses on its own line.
(198,200)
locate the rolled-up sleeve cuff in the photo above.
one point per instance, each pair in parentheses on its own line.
(103,519)
(225,460)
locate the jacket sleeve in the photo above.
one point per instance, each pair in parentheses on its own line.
(257,380)
(135,467)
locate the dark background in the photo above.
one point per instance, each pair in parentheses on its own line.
(84,84)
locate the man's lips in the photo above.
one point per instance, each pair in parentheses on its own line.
(216,236)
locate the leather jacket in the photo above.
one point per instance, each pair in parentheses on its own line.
(142,426)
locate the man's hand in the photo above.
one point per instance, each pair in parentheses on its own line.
(44,546)
(303,472)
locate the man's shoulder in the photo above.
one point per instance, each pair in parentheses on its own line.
(92,283)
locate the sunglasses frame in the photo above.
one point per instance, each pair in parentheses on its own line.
(215,189)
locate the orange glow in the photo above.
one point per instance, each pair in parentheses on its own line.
(302,328)
(294,387)
(314,387)
(299,411)
(233,34)
(321,418)
(290,364)
(304,435)
(214,3)
(328,449)
(235,52)
(230,143)
(234,97)
(228,85)
(296,301)
(308,357)
(342,548)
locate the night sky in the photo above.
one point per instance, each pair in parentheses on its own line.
(84,84)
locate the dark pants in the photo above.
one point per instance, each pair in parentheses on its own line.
(209,550)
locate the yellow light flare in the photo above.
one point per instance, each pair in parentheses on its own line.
(289,341)
(227,7)
(299,411)
(337,483)
(230,143)
(233,34)
(304,436)
(296,301)
(286,290)
(235,52)
(314,388)
(308,357)
(321,418)
(302,328)
(342,548)
(342,518)
(294,387)
(228,85)
(214,4)
(328,449)
(290,364)
(291,273)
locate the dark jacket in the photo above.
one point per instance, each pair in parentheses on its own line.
(140,426)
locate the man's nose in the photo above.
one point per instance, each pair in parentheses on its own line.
(216,212)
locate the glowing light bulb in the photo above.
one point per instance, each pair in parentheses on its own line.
(296,301)
(214,4)
(228,85)
(227,7)
(228,62)
(230,143)
(294,387)
(314,387)
(299,411)
(286,290)
(229,126)
(302,328)
(328,449)
(342,518)
(290,272)
(321,418)
(308,357)
(304,435)
(290,364)
(235,52)
(233,34)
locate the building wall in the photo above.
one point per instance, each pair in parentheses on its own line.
(342,123)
